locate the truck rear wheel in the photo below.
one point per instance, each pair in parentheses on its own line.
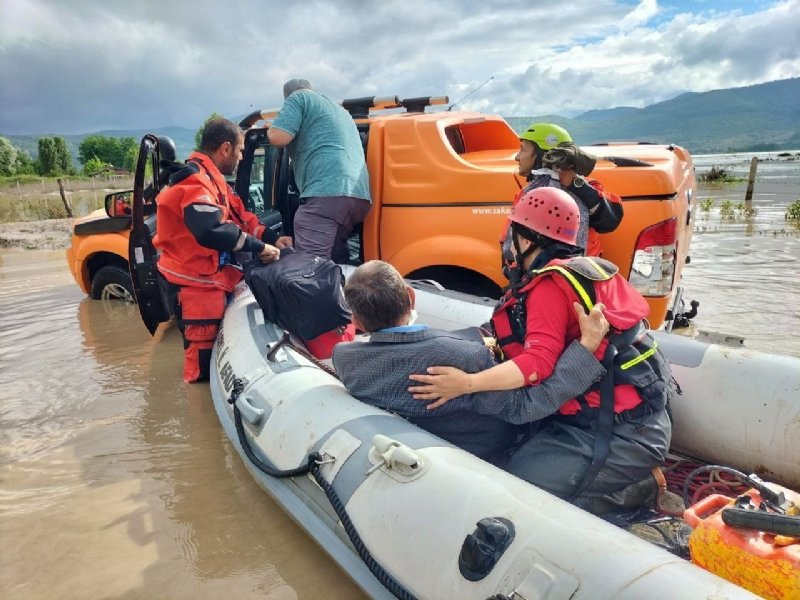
(112,283)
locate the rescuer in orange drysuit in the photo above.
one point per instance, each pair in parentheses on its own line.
(201,224)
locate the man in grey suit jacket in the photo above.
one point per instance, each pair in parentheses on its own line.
(485,424)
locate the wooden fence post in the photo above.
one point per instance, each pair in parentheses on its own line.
(751,180)
(64,199)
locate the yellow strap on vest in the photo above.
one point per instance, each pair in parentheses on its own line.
(579,289)
(641,358)
(600,269)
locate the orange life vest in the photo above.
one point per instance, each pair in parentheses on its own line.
(183,261)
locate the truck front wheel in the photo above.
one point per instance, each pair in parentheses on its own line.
(112,283)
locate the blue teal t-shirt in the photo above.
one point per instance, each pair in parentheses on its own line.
(326,150)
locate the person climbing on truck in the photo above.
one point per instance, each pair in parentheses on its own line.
(329,169)
(548,157)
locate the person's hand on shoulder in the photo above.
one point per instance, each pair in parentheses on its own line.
(442,384)
(593,324)
(269,254)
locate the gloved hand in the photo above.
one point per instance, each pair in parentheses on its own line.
(567,156)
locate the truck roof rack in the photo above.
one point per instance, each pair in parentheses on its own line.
(419,104)
(359,108)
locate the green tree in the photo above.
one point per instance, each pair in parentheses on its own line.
(47,164)
(96,146)
(63,157)
(8,157)
(199,134)
(124,147)
(24,165)
(94,166)
(110,150)
(54,157)
(131,157)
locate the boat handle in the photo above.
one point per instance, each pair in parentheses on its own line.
(250,413)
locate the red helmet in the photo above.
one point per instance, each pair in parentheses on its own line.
(550,212)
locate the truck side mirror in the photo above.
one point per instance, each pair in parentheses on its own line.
(118,204)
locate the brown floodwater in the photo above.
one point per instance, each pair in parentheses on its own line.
(116,479)
(745,268)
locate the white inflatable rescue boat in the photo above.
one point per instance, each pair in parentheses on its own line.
(409,515)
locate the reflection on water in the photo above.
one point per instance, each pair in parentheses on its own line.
(117,480)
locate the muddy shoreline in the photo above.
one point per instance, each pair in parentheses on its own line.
(47,234)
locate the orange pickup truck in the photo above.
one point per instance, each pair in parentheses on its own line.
(442,185)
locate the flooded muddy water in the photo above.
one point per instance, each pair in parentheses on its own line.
(116,480)
(745,267)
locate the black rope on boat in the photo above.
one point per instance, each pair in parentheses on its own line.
(238,387)
(313,466)
(286,340)
(389,582)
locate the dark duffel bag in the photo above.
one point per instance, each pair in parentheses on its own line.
(301,293)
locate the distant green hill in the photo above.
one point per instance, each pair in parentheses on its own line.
(757,117)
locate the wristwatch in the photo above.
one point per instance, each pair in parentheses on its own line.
(579,181)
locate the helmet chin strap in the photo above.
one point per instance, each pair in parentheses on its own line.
(521,255)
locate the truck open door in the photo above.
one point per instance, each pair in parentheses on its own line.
(149,286)
(263,182)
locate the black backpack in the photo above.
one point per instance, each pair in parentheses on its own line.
(301,293)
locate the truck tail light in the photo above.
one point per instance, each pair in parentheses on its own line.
(654,259)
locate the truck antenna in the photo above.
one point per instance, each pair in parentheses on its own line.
(470,93)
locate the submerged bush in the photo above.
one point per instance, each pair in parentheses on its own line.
(746,211)
(793,212)
(718,174)
(726,209)
(706,204)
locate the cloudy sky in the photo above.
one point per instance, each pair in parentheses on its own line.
(72,66)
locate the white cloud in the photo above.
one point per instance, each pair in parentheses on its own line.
(83,66)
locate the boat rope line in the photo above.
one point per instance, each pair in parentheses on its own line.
(238,388)
(389,582)
(313,465)
(286,340)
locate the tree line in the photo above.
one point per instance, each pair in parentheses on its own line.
(96,153)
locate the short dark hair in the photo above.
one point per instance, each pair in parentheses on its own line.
(217,132)
(376,293)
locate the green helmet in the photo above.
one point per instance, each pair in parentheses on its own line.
(545,135)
